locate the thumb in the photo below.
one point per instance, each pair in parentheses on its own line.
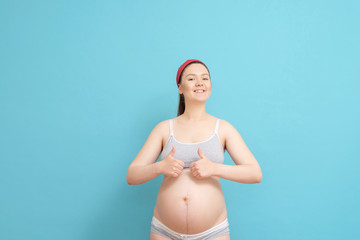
(201,154)
(172,152)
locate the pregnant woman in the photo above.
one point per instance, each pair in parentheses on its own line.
(190,202)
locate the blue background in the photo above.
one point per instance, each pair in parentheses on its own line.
(83,83)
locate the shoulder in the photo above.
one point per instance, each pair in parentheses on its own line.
(163,124)
(225,123)
(162,128)
(226,128)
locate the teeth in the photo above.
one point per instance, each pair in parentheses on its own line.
(199,91)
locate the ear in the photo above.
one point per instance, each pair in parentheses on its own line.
(179,87)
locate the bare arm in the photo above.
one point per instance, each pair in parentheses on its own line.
(140,174)
(144,167)
(247,169)
(238,173)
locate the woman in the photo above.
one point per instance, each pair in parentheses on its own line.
(190,202)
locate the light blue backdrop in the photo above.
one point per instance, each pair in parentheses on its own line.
(83,83)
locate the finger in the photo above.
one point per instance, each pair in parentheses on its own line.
(200,153)
(193,164)
(181,163)
(175,169)
(179,167)
(172,152)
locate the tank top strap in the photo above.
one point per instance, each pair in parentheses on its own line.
(171,127)
(217,125)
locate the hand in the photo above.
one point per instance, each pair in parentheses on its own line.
(170,166)
(202,168)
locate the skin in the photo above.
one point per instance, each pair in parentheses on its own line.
(183,189)
(196,76)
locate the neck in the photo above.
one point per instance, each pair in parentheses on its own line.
(195,111)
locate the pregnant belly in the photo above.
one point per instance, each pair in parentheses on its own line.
(188,205)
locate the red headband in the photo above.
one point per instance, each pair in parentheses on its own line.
(181,68)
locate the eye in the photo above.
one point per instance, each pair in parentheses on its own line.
(205,79)
(190,78)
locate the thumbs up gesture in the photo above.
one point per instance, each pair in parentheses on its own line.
(202,168)
(170,166)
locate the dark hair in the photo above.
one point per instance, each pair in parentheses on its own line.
(181,108)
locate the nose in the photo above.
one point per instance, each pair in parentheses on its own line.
(199,82)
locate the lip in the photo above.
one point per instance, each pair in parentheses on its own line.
(199,92)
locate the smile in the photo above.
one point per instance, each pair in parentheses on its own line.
(199,91)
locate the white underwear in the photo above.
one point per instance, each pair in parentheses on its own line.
(214,232)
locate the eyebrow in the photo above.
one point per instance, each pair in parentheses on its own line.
(194,74)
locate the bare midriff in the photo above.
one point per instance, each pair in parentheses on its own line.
(189,205)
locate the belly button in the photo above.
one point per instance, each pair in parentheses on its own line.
(186,199)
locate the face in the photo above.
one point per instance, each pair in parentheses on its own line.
(195,77)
